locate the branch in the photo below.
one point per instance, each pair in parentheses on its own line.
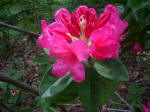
(6,78)
(116,110)
(123,101)
(18,29)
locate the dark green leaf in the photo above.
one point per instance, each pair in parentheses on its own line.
(112,69)
(68,95)
(95,91)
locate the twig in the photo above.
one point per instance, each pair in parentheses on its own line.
(116,110)
(18,29)
(127,104)
(6,78)
(117,103)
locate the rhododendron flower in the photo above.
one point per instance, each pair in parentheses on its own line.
(70,55)
(146,108)
(72,38)
(136,48)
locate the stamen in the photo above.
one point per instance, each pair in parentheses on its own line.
(83,22)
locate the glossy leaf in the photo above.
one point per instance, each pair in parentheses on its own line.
(95,91)
(112,69)
(57,86)
(69,94)
(47,80)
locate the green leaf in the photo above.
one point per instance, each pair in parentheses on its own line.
(95,91)
(46,51)
(59,91)
(68,95)
(47,80)
(43,60)
(112,69)
(57,87)
(45,105)
(137,4)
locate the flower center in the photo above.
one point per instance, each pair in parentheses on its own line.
(82,23)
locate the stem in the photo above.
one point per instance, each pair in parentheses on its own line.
(127,104)
(116,110)
(18,29)
(18,83)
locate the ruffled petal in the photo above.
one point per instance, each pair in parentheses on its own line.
(103,46)
(81,11)
(53,27)
(111,9)
(60,69)
(44,39)
(81,50)
(115,22)
(77,71)
(62,16)
(59,47)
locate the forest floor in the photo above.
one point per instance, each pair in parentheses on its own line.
(27,53)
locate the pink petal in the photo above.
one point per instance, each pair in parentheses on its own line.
(92,17)
(81,11)
(136,48)
(44,25)
(77,72)
(59,47)
(149,104)
(81,50)
(44,39)
(62,16)
(60,30)
(110,9)
(56,27)
(103,46)
(121,26)
(60,69)
(118,26)
(145,108)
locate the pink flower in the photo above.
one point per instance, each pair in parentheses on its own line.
(146,109)
(72,37)
(83,24)
(70,55)
(136,48)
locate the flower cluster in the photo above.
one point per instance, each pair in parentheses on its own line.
(145,108)
(73,38)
